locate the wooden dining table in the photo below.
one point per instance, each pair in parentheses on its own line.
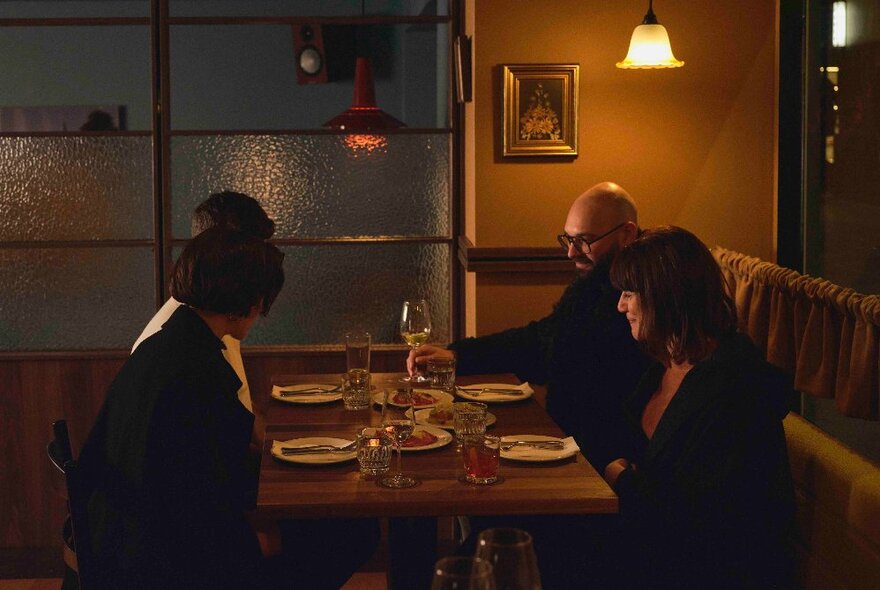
(287,490)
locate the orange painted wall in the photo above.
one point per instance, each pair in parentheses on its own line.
(694,145)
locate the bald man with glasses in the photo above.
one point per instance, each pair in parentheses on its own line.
(583,350)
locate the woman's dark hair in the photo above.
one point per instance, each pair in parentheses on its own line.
(235,211)
(228,272)
(683,297)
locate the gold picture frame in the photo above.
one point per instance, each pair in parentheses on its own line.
(540,109)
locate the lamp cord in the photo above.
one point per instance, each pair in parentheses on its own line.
(650,18)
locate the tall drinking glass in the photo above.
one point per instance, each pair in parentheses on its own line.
(462,573)
(512,555)
(357,350)
(415,327)
(356,395)
(398,419)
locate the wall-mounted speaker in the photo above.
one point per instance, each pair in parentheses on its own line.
(311,60)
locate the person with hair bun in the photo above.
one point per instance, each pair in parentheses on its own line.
(706,498)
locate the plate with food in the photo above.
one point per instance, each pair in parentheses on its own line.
(422,398)
(426,437)
(441,415)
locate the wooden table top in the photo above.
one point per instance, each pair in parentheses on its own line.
(569,486)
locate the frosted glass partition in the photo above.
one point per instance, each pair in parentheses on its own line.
(318,186)
(244,76)
(329,290)
(307,7)
(74,299)
(76,188)
(73,8)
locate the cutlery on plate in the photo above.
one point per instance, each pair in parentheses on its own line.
(477,391)
(319,449)
(310,391)
(538,444)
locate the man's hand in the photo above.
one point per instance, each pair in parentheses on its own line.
(614,469)
(423,354)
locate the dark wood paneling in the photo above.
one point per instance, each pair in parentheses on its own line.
(35,393)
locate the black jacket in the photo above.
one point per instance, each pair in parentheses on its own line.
(583,352)
(168,456)
(710,502)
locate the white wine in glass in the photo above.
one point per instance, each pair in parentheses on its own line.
(415,327)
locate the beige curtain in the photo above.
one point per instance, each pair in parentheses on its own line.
(824,334)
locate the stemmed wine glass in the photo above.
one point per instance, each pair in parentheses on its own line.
(512,555)
(415,327)
(462,573)
(398,419)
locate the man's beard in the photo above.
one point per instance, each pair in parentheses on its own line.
(603,264)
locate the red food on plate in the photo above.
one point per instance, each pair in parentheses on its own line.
(419,399)
(420,438)
(440,417)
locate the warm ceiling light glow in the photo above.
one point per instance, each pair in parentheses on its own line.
(838,24)
(364,145)
(649,47)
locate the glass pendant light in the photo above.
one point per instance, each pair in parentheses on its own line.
(649,47)
(364,115)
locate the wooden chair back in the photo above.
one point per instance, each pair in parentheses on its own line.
(61,456)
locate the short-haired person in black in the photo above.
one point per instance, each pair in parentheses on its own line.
(173,485)
(706,497)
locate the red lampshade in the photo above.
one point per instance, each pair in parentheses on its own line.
(363,114)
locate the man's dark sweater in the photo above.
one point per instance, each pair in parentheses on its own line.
(583,351)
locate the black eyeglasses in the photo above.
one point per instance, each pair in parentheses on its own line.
(581,244)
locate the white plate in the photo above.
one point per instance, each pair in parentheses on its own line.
(313,458)
(307,398)
(422,418)
(532,454)
(443,439)
(434,393)
(495,398)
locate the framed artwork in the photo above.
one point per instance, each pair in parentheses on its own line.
(540,110)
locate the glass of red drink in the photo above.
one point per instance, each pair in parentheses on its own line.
(480,454)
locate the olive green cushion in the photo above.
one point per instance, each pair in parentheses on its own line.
(837,537)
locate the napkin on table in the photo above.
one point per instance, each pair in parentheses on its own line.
(569,447)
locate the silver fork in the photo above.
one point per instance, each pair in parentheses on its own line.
(319,449)
(538,444)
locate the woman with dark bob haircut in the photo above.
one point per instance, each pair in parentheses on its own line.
(705,488)
(168,455)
